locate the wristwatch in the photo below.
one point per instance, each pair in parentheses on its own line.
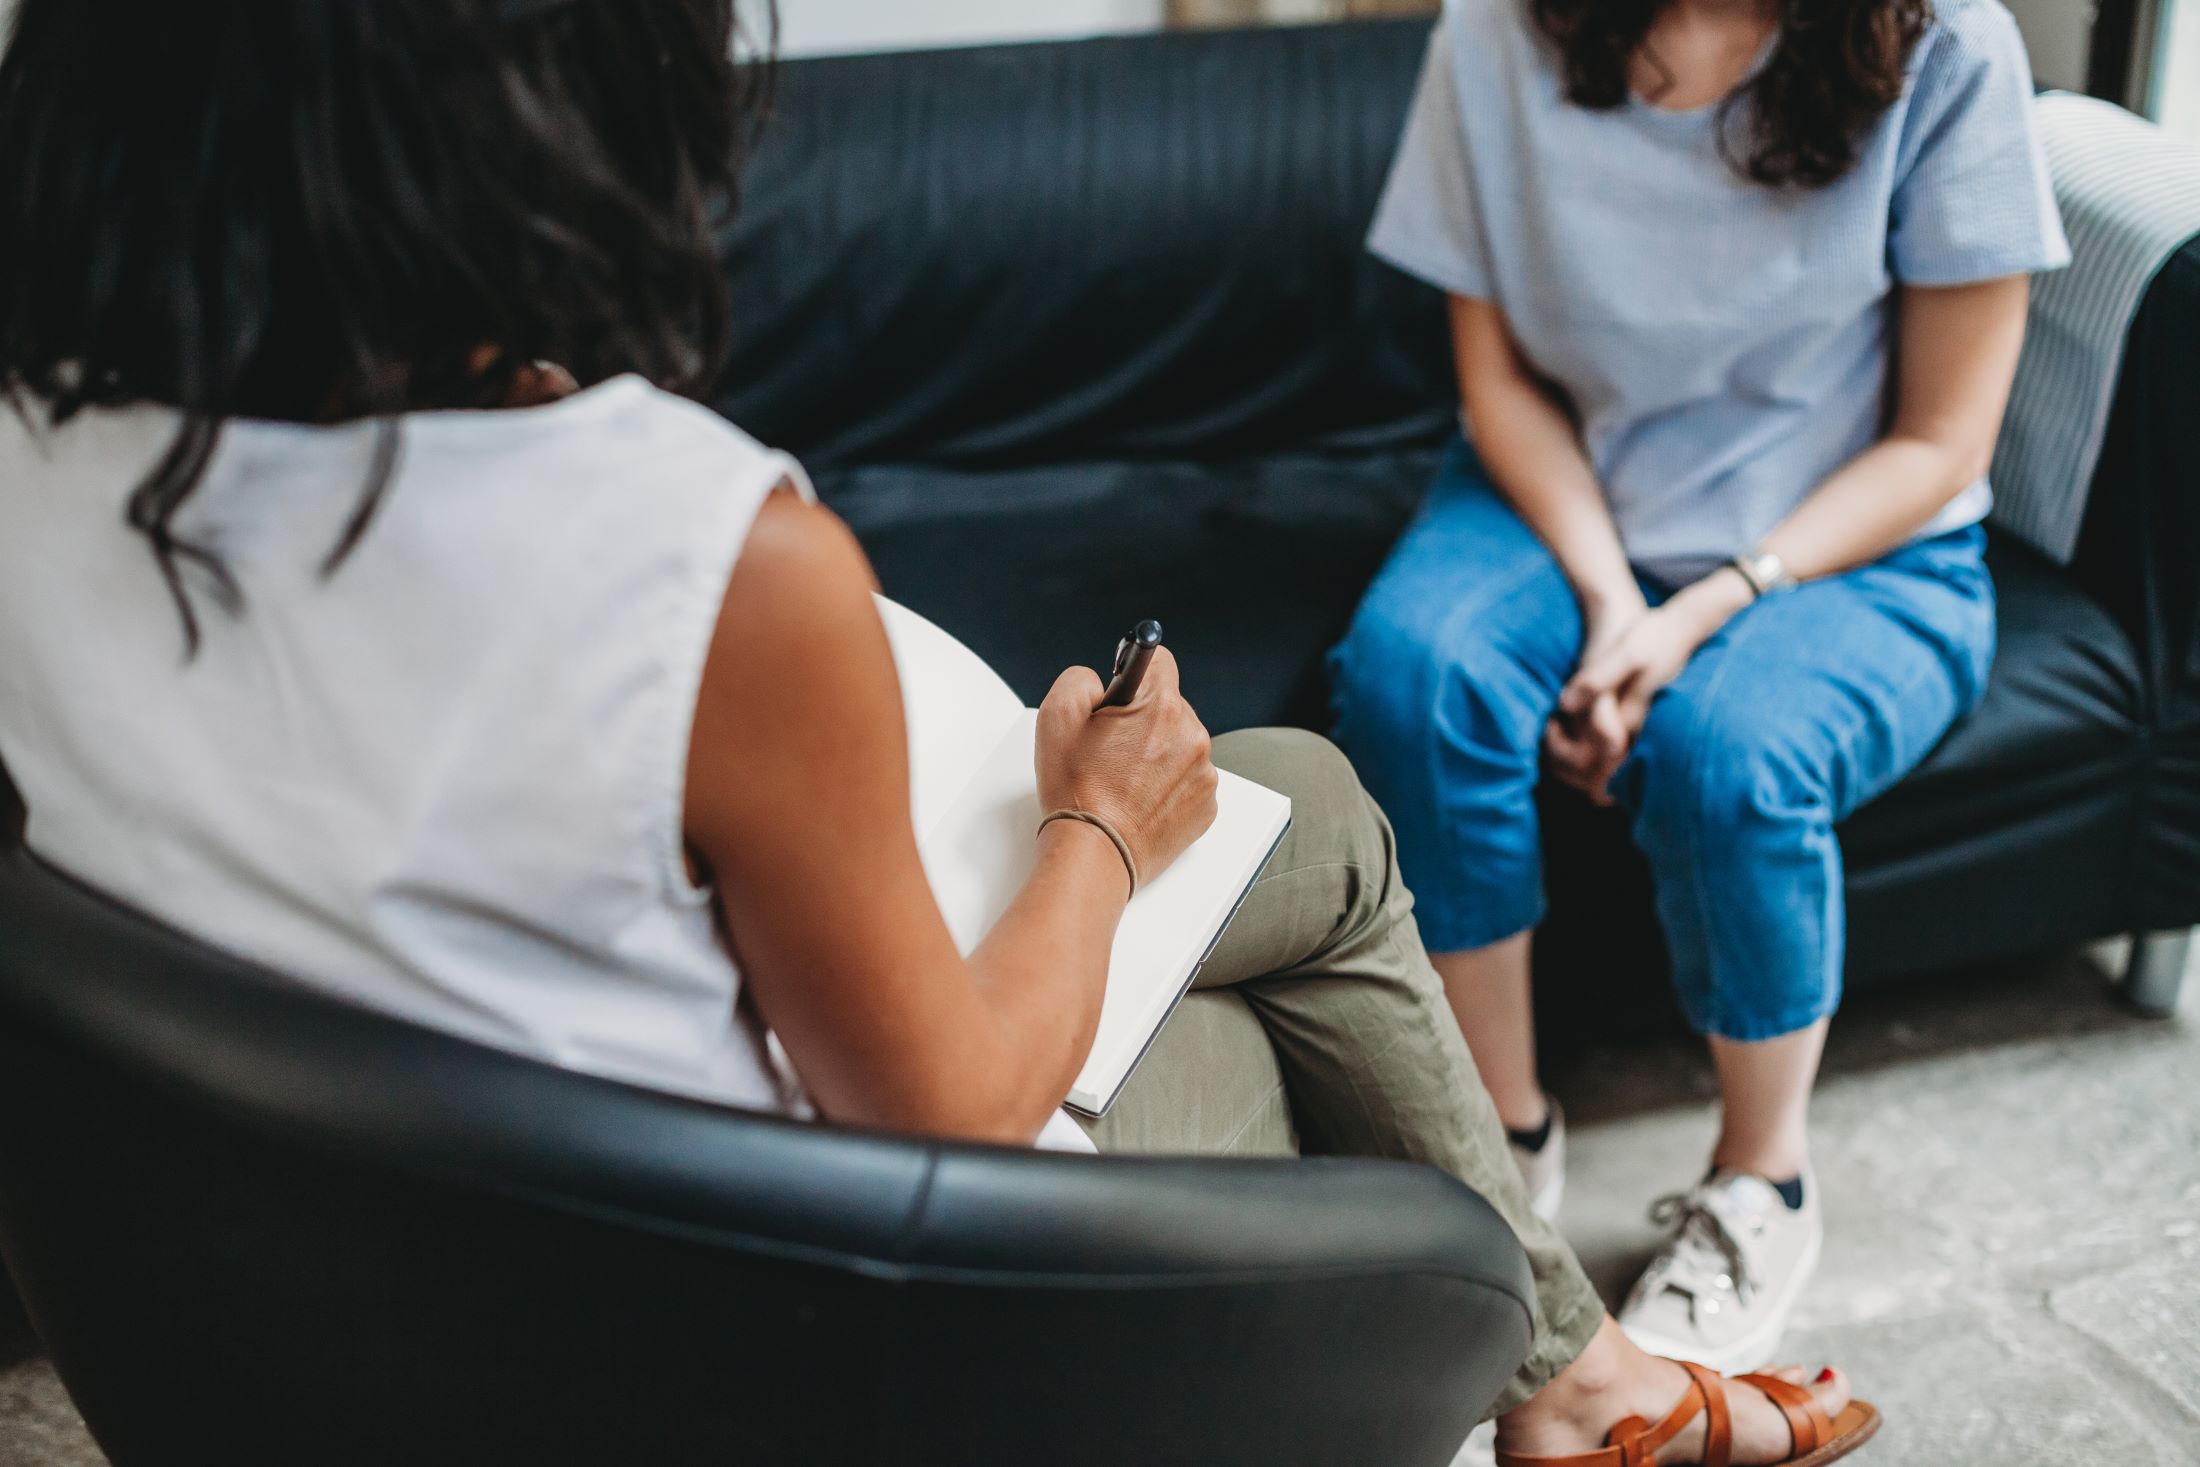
(1764,571)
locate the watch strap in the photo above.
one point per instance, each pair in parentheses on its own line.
(1764,573)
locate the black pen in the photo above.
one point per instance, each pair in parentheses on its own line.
(1132,656)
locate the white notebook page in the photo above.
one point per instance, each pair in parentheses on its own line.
(974,797)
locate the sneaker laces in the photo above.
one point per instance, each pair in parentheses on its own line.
(1710,1253)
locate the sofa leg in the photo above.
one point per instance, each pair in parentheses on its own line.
(2156,974)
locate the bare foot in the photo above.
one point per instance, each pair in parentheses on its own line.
(1613,1380)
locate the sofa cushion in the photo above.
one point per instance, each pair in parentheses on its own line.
(2016,833)
(2064,708)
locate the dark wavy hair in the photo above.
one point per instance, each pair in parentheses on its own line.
(1836,69)
(337,210)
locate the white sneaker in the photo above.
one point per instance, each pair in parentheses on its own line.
(1545,1171)
(1721,1290)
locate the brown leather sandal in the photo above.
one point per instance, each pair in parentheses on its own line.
(1817,1438)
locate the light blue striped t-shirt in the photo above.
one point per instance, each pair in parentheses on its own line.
(1726,345)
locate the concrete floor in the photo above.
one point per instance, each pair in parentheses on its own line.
(2011,1170)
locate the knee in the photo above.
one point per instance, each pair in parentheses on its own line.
(1333,818)
(1382,674)
(1712,771)
(1398,685)
(1305,767)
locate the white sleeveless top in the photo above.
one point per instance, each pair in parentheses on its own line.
(446,782)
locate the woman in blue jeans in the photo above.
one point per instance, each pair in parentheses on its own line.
(1737,294)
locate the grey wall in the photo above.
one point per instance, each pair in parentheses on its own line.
(2060,36)
(2058,31)
(811,27)
(2177,85)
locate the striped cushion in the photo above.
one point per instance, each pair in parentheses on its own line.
(2130,196)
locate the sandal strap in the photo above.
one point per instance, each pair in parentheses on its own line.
(1718,1441)
(1627,1455)
(1808,1425)
(1693,1402)
(1634,1442)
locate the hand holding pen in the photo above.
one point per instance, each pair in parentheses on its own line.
(1130,759)
(1133,655)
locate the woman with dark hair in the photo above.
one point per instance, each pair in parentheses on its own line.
(1737,289)
(374,605)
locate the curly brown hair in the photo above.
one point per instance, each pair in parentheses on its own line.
(1837,68)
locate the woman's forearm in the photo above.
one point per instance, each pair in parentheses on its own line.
(1958,355)
(1875,503)
(1534,455)
(1043,968)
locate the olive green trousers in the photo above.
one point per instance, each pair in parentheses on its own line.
(1318,1027)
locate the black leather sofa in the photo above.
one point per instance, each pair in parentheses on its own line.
(1077,334)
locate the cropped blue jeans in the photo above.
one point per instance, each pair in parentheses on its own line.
(1808,704)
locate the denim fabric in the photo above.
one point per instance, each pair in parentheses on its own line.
(1807,705)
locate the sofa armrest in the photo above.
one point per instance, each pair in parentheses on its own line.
(11,812)
(2139,551)
(2139,556)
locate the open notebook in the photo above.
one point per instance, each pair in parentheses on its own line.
(975,798)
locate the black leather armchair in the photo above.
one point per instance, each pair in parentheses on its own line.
(1077,334)
(256,1226)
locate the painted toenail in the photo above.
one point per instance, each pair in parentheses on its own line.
(1825,1375)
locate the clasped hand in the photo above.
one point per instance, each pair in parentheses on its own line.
(1633,652)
